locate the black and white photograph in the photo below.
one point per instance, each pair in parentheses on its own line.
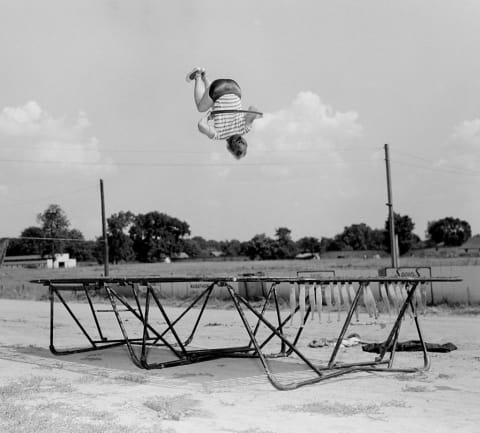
(250,216)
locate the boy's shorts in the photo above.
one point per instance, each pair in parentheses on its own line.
(224,86)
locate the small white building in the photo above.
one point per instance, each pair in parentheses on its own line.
(308,256)
(61,261)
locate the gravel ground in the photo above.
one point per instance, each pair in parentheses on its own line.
(103,391)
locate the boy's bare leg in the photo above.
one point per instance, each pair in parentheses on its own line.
(202,97)
(199,89)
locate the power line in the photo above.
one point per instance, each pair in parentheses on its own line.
(72,148)
(176,164)
(441,170)
(431,161)
(422,158)
(246,164)
(48,239)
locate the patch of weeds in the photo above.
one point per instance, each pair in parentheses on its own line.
(58,417)
(174,408)
(408,377)
(336,408)
(34,385)
(18,388)
(184,375)
(33,347)
(30,405)
(252,430)
(214,324)
(415,388)
(403,377)
(446,376)
(91,358)
(103,373)
(445,388)
(372,410)
(135,378)
(394,403)
(87,379)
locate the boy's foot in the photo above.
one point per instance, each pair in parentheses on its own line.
(193,73)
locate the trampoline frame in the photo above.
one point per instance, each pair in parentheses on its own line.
(153,337)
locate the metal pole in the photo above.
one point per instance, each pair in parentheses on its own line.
(391,221)
(104,232)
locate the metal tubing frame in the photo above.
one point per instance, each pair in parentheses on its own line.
(143,341)
(152,337)
(333,369)
(184,356)
(95,344)
(206,293)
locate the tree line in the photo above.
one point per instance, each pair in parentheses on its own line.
(154,236)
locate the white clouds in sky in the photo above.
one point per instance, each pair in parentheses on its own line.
(305,132)
(448,186)
(465,144)
(462,149)
(468,131)
(306,129)
(308,123)
(30,133)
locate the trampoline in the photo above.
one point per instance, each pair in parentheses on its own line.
(139,298)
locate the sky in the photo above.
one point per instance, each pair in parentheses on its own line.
(96,89)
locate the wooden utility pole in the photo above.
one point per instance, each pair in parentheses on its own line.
(104,232)
(391,220)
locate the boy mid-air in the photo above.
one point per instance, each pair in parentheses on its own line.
(222,95)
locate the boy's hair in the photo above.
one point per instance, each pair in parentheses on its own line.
(237,146)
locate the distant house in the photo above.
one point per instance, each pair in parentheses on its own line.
(308,256)
(61,261)
(180,256)
(58,262)
(31,261)
(215,253)
(472,245)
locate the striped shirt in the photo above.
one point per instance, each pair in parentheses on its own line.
(228,124)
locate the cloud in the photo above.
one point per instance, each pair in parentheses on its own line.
(304,132)
(462,151)
(30,133)
(289,142)
(468,132)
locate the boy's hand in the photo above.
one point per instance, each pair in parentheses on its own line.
(253,108)
(250,117)
(205,128)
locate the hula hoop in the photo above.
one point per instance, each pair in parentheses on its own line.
(213,113)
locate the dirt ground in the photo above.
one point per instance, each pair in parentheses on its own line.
(102,391)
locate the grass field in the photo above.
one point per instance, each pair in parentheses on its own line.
(15,282)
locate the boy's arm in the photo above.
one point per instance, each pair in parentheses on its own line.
(205,128)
